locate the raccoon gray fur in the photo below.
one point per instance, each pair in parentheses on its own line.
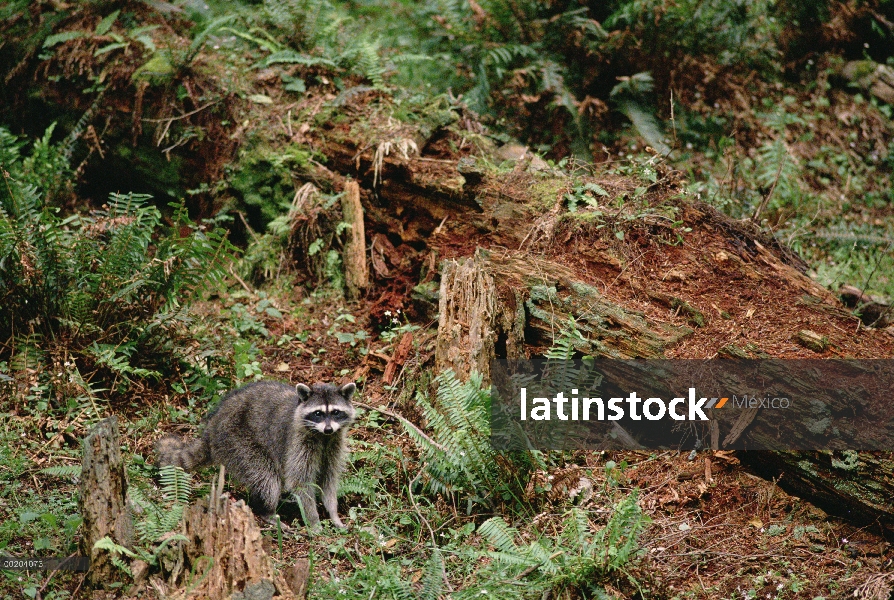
(274,437)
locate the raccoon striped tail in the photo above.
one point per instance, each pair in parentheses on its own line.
(182,452)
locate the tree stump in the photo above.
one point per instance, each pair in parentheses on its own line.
(466,322)
(103,500)
(503,306)
(225,557)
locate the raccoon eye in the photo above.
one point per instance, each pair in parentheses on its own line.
(336,413)
(318,413)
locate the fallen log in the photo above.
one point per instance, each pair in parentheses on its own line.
(857,486)
(640,274)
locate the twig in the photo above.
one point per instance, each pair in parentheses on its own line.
(875,266)
(242,283)
(74,594)
(404,421)
(437,160)
(533,568)
(763,204)
(247,226)
(183,116)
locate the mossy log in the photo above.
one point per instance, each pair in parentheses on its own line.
(857,486)
(499,303)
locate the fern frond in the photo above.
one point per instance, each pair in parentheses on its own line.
(176,484)
(63,471)
(500,534)
(620,538)
(357,485)
(295,58)
(645,123)
(433,577)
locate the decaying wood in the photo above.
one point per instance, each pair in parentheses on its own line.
(224,556)
(855,485)
(811,340)
(356,268)
(398,358)
(493,305)
(297,577)
(103,500)
(466,323)
(505,303)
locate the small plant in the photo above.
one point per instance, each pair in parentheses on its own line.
(394,327)
(589,194)
(103,282)
(459,459)
(157,520)
(245,359)
(578,558)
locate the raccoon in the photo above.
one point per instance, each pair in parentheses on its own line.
(273,437)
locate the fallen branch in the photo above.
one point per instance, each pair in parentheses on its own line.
(403,420)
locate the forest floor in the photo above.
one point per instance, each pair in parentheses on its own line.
(231,132)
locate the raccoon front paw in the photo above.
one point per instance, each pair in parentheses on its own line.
(337,522)
(275,522)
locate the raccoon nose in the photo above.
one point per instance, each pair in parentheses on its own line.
(328,429)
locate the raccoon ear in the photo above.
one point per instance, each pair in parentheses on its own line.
(303,391)
(347,390)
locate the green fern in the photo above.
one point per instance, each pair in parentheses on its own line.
(778,172)
(459,459)
(620,538)
(460,425)
(295,58)
(369,63)
(63,471)
(106,281)
(159,519)
(433,577)
(561,371)
(357,485)
(117,551)
(577,558)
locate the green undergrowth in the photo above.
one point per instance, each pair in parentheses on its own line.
(591,72)
(406,543)
(94,301)
(131,306)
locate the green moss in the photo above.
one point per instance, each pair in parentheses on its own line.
(545,193)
